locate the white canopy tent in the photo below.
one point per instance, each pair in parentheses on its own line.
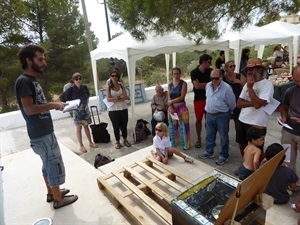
(253,36)
(288,29)
(130,50)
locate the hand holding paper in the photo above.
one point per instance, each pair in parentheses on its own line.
(72,105)
(174,116)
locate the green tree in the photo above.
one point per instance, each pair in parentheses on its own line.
(195,19)
(56,25)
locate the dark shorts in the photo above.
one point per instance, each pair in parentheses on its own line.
(199,108)
(241,131)
(244,172)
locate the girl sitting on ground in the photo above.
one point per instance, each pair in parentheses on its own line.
(162,144)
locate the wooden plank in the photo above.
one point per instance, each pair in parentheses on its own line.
(141,186)
(165,215)
(142,220)
(158,175)
(152,186)
(171,170)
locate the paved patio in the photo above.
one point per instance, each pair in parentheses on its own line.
(16,141)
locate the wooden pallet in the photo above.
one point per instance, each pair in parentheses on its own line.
(143,191)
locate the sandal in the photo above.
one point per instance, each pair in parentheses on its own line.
(126,143)
(83,149)
(117,145)
(198,144)
(93,145)
(67,200)
(63,192)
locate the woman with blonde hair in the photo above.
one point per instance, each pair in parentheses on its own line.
(162,145)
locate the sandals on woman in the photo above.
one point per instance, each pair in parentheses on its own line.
(93,145)
(126,143)
(117,145)
(83,149)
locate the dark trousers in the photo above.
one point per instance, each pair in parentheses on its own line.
(154,122)
(119,120)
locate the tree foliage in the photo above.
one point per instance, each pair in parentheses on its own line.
(194,19)
(58,26)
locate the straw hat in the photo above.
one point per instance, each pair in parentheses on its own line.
(255,62)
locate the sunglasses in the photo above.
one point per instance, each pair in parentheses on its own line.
(159,130)
(215,78)
(78,78)
(232,66)
(114,75)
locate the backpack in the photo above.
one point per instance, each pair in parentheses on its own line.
(101,160)
(141,130)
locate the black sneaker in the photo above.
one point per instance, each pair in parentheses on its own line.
(205,155)
(221,161)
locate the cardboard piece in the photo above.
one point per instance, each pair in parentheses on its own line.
(255,184)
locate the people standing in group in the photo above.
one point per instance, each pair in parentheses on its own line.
(81,115)
(220,62)
(36,112)
(200,76)
(159,106)
(290,114)
(177,90)
(163,148)
(237,82)
(283,178)
(220,102)
(118,112)
(278,57)
(244,58)
(256,93)
(252,152)
(67,86)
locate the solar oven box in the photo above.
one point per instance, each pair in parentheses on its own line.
(202,203)
(217,197)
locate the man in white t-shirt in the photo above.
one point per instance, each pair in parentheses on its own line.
(256,93)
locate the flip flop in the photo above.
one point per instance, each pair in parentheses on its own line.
(198,144)
(63,192)
(93,145)
(83,149)
(67,200)
(126,143)
(117,145)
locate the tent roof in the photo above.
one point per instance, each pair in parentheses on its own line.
(125,47)
(255,36)
(283,27)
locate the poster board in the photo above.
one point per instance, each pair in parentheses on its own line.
(254,184)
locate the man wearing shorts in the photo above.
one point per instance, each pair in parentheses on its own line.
(36,112)
(200,76)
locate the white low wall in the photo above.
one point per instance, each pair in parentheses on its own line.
(15,119)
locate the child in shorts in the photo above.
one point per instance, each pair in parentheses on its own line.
(162,145)
(252,152)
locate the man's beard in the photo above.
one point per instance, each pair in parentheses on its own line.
(37,69)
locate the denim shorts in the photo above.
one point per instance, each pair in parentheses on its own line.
(53,166)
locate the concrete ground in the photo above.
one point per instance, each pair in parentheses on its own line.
(16,140)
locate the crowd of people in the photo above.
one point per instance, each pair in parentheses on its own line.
(218,97)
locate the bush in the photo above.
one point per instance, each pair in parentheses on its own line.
(9,108)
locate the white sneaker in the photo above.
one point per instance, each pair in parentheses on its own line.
(189,159)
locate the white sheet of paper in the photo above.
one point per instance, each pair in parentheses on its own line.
(271,106)
(283,124)
(287,153)
(72,105)
(107,103)
(174,116)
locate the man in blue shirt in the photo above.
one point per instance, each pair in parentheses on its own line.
(220,102)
